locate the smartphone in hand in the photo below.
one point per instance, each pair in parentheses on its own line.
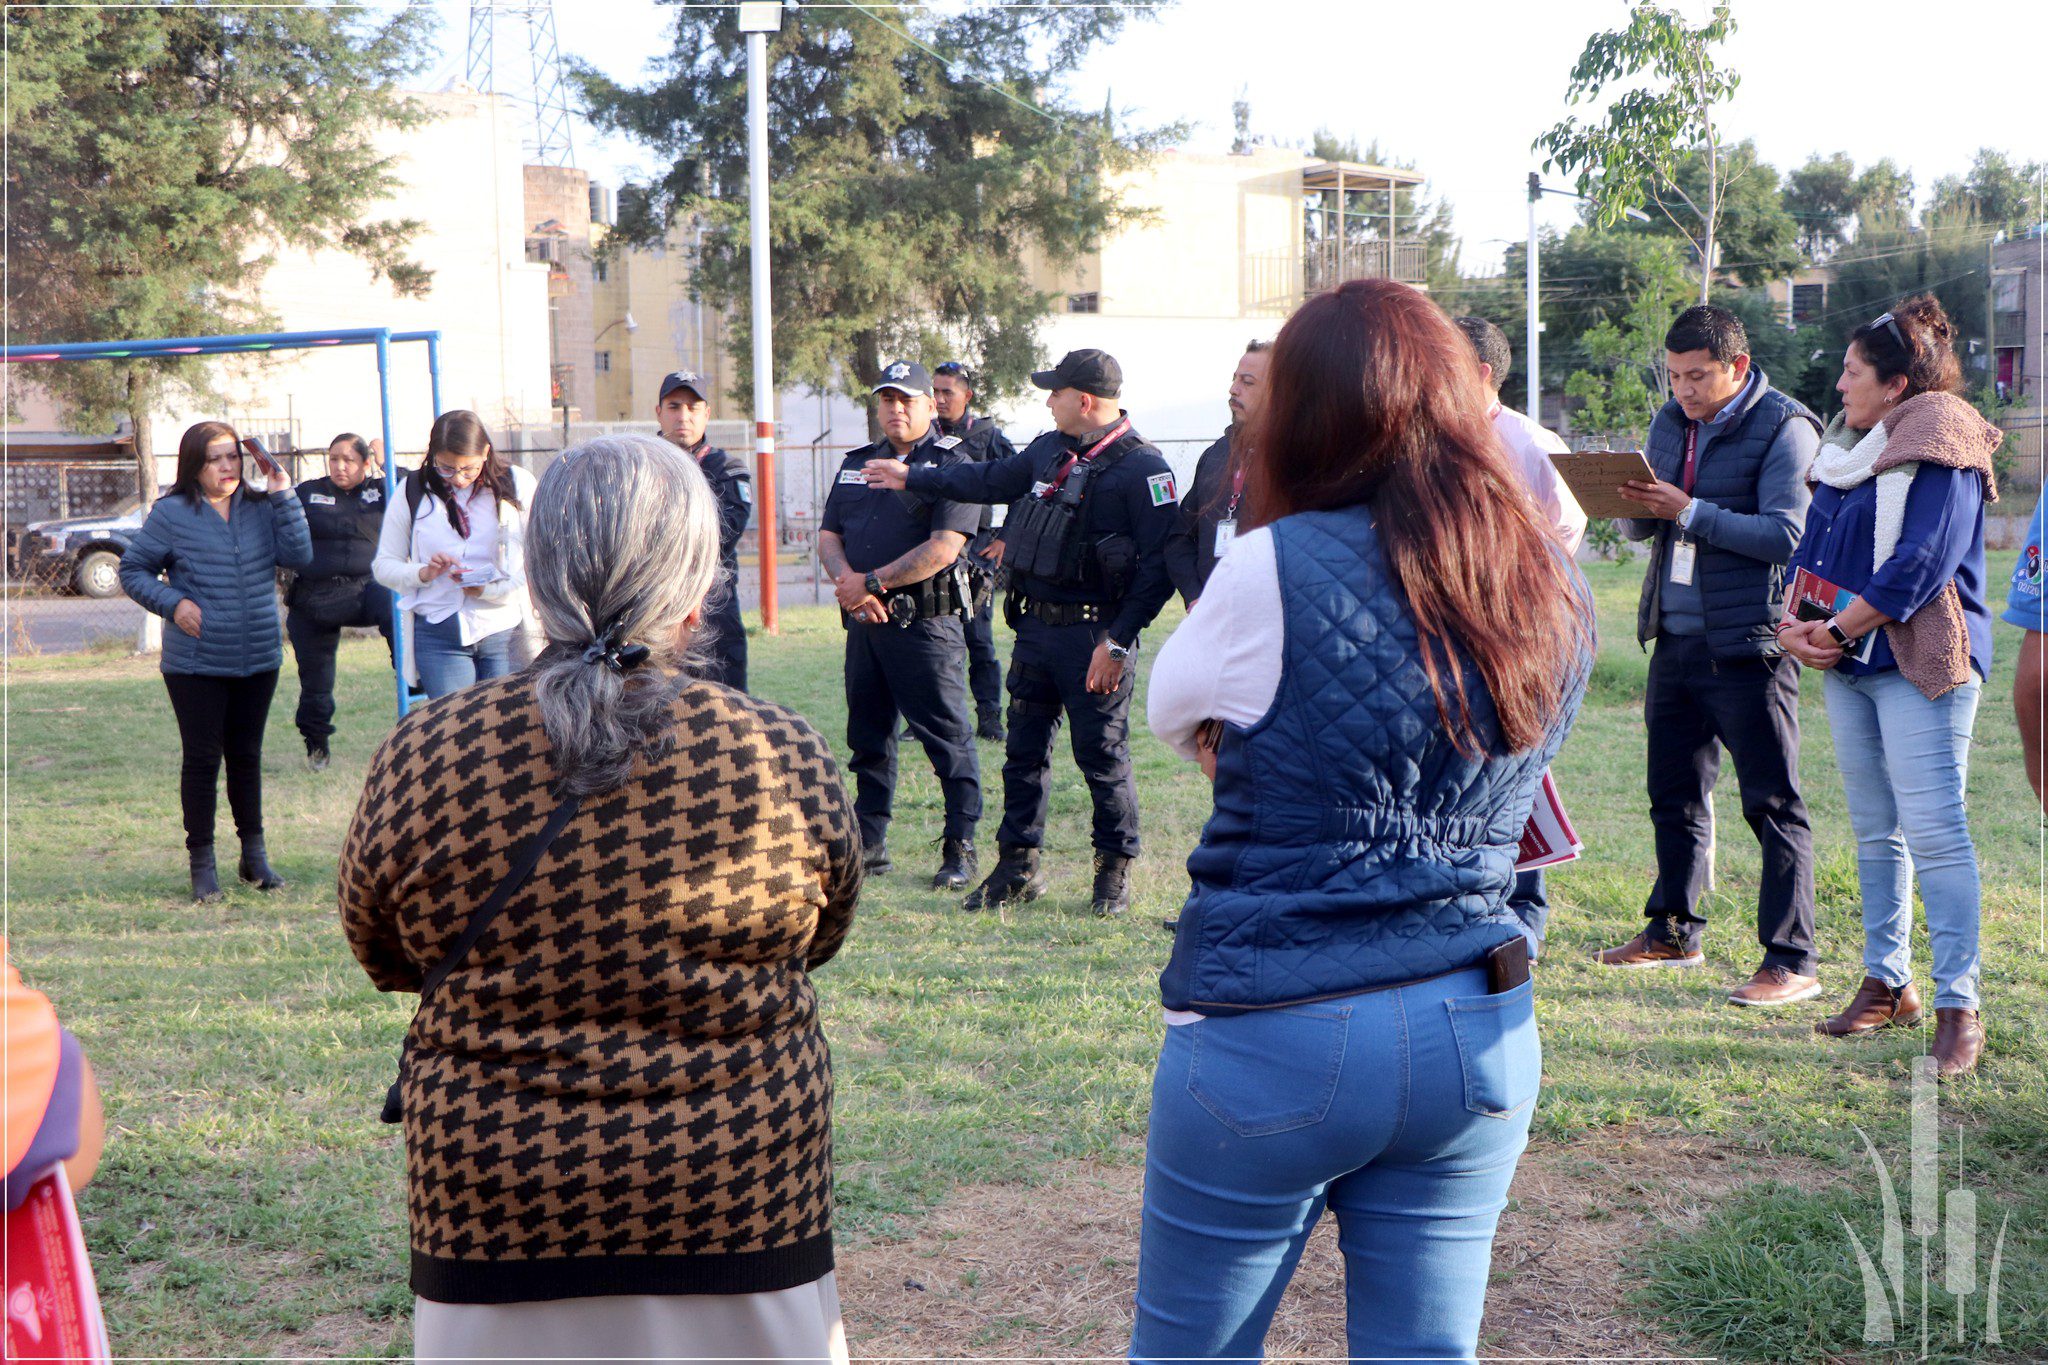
(255,451)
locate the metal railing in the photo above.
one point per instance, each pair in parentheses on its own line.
(1325,265)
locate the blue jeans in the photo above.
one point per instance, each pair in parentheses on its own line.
(1402,1111)
(1904,762)
(448,665)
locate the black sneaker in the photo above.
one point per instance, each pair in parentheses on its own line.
(316,758)
(991,727)
(1112,895)
(957,865)
(1014,880)
(875,859)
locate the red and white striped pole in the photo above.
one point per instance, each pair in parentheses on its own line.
(758,19)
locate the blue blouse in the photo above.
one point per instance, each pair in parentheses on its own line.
(1942,539)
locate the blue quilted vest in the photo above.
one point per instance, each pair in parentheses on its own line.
(1743,597)
(1351,846)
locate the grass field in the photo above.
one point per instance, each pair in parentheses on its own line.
(993,1073)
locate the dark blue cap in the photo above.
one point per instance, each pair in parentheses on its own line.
(905,376)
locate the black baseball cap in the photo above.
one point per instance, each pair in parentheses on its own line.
(1090,371)
(683,379)
(905,376)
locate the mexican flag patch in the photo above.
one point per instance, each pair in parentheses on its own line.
(1162,488)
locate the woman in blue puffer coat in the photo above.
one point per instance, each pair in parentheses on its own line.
(219,544)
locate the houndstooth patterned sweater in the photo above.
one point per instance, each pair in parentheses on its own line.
(623,1089)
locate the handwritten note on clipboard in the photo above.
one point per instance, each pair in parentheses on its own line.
(1593,475)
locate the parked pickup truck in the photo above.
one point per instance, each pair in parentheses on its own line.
(78,554)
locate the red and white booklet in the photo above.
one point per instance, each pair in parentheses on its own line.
(1548,839)
(51,1304)
(1810,597)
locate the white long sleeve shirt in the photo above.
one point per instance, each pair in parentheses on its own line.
(1532,444)
(497,538)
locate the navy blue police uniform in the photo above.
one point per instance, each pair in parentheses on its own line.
(1104,579)
(983,440)
(733,487)
(332,593)
(914,664)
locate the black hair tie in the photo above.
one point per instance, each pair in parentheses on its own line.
(607,649)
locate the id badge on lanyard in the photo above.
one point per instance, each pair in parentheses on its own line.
(1684,553)
(1226,529)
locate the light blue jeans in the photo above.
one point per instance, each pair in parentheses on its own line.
(447,665)
(1402,1111)
(1904,762)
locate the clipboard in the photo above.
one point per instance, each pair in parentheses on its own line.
(1593,475)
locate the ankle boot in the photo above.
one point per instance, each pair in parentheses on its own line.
(957,865)
(1112,895)
(1014,880)
(1958,1041)
(255,866)
(205,881)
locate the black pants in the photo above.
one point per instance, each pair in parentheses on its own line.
(1048,676)
(726,651)
(984,670)
(314,645)
(1695,706)
(917,672)
(221,718)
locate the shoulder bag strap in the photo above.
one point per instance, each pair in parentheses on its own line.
(529,856)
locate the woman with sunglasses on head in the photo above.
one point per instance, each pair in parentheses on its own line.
(454,550)
(345,512)
(1897,526)
(1375,677)
(206,560)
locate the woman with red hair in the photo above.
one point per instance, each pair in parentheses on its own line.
(1377,676)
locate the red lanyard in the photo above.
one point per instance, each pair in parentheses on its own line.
(1236,492)
(1692,455)
(1059,480)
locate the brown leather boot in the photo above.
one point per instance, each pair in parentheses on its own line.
(1644,951)
(1772,987)
(1958,1041)
(1875,1006)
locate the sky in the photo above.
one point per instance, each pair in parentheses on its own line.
(1462,89)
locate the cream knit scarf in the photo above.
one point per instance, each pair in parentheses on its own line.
(1846,462)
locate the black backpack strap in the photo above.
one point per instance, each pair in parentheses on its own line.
(479,921)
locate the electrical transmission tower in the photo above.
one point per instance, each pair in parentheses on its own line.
(547,141)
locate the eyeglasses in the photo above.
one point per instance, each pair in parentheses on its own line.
(1891,324)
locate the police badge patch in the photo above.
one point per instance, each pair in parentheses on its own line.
(1162,488)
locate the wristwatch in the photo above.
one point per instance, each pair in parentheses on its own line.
(1842,638)
(874,586)
(1117,651)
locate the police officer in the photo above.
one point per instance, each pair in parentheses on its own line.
(683,413)
(952,393)
(1092,503)
(344,513)
(893,558)
(1208,514)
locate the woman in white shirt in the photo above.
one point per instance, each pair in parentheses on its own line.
(453,548)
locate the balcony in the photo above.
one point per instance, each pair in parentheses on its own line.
(2009,329)
(1325,265)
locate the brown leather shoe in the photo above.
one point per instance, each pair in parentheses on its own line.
(1773,986)
(1875,1006)
(1958,1041)
(1644,951)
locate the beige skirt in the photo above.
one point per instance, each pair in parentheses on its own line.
(788,1324)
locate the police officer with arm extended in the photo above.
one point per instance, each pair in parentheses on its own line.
(683,412)
(952,395)
(1092,503)
(893,558)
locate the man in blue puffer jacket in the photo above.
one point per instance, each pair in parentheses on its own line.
(220,546)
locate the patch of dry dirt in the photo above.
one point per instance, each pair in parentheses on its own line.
(1048,1270)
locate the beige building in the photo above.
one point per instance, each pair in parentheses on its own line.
(647,325)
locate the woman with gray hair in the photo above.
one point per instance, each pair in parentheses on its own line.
(616,1094)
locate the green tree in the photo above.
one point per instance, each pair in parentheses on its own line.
(1821,196)
(1884,190)
(1997,191)
(158,156)
(1633,155)
(916,170)
(1625,381)
(1418,217)
(1756,240)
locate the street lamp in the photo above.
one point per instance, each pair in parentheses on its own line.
(631,326)
(758,19)
(1537,189)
